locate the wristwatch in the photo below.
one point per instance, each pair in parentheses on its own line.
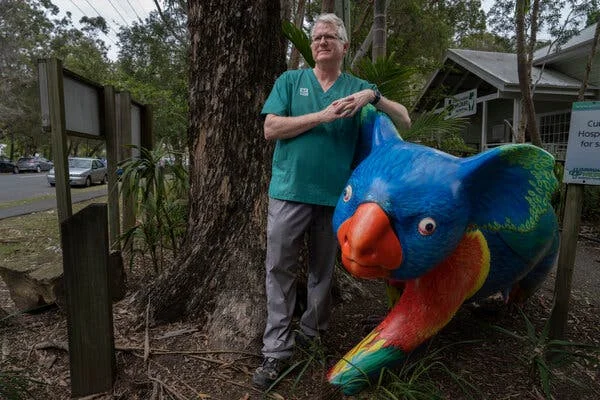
(377,97)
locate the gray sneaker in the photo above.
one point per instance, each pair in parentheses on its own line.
(268,372)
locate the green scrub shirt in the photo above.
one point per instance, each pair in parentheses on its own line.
(314,166)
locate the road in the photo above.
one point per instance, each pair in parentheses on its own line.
(30,192)
(14,187)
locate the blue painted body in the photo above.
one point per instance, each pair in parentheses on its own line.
(487,192)
(433,201)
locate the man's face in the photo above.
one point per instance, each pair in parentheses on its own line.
(326,47)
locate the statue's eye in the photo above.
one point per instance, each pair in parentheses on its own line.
(347,193)
(427,226)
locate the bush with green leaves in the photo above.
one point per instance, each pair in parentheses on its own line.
(159,191)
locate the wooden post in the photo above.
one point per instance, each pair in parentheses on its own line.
(88,300)
(566,260)
(112,159)
(125,138)
(484,123)
(56,103)
(147,138)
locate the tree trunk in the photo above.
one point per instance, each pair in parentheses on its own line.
(588,67)
(524,68)
(327,6)
(362,50)
(286,9)
(298,19)
(379,36)
(236,52)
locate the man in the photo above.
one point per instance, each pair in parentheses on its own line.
(314,116)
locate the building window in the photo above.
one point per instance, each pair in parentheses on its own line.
(554,132)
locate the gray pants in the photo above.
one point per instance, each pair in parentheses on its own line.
(286,225)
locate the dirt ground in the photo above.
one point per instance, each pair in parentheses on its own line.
(180,366)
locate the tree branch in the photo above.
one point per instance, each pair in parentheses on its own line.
(588,67)
(524,69)
(362,19)
(168,25)
(363,49)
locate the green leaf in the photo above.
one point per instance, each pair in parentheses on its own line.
(394,81)
(300,40)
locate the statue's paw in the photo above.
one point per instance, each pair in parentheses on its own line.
(352,374)
(350,381)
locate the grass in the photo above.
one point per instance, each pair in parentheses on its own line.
(16,203)
(32,241)
(543,356)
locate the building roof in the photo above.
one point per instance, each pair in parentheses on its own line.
(578,44)
(496,74)
(493,74)
(500,69)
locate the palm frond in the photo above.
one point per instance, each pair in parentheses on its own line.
(394,81)
(433,128)
(300,40)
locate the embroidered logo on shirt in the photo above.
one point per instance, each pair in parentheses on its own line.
(303,91)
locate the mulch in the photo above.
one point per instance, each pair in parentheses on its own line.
(173,362)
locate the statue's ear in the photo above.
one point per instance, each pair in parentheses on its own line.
(509,187)
(376,128)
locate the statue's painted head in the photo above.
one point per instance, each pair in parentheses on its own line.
(407,206)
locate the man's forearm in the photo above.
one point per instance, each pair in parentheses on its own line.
(278,127)
(396,111)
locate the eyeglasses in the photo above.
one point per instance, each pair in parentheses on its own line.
(328,38)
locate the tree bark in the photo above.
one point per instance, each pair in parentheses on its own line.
(588,67)
(363,49)
(523,69)
(298,19)
(236,52)
(379,34)
(327,6)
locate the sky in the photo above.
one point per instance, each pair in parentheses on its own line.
(116,12)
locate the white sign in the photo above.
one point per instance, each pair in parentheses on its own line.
(582,163)
(462,104)
(82,107)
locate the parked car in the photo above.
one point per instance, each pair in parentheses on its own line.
(8,166)
(37,164)
(83,172)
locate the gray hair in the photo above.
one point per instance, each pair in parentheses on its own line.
(337,23)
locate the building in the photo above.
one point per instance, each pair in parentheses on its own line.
(488,85)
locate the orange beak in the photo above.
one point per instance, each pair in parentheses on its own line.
(370,248)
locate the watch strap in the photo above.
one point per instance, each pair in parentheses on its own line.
(377,97)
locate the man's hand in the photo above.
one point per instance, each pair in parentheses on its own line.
(347,106)
(355,102)
(280,127)
(340,108)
